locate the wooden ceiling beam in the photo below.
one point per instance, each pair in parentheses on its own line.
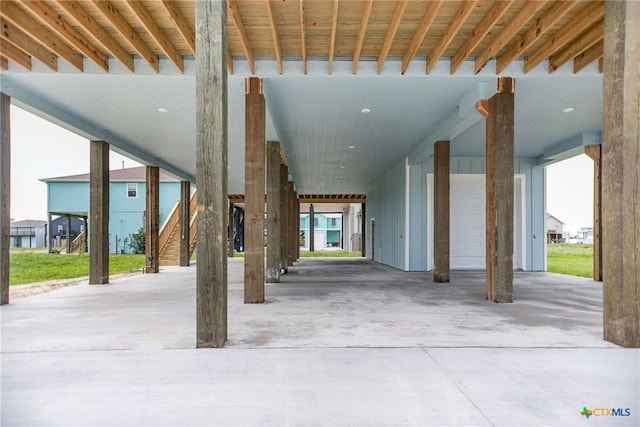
(401,6)
(244,39)
(464,10)
(530,9)
(593,12)
(25,22)
(485,25)
(303,38)
(25,43)
(589,56)
(95,30)
(181,24)
(4,63)
(274,34)
(334,29)
(427,20)
(69,34)
(156,33)
(363,31)
(15,54)
(538,29)
(122,26)
(577,46)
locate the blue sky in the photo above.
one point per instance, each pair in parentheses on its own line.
(41,150)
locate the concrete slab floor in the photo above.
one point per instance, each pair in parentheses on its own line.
(339,342)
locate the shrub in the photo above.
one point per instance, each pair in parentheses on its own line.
(138,242)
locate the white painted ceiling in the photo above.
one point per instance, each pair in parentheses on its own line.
(316,118)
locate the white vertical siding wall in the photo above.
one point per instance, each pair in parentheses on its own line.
(386,203)
(418,218)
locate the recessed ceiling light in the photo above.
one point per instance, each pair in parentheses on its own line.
(163,110)
(341,167)
(365,110)
(351,147)
(567,110)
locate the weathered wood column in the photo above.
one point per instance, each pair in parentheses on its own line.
(594,152)
(50,233)
(291,255)
(99,212)
(312,224)
(297,202)
(441,163)
(621,174)
(254,186)
(211,173)
(363,236)
(232,231)
(185,223)
(152,222)
(499,110)
(273,212)
(5,195)
(68,233)
(284,218)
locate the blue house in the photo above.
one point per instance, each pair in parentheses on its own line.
(69,196)
(327,229)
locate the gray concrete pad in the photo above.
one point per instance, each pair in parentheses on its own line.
(339,342)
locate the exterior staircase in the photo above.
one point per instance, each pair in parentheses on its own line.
(78,244)
(169,240)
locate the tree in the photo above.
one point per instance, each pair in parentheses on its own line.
(138,242)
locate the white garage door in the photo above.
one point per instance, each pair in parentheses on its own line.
(467,216)
(467,221)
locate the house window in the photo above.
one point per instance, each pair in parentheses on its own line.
(132,190)
(315,222)
(333,222)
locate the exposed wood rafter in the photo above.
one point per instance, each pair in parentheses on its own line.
(4,63)
(401,6)
(592,54)
(578,46)
(334,29)
(363,32)
(485,25)
(538,29)
(587,17)
(463,12)
(244,39)
(96,31)
(23,20)
(530,9)
(25,43)
(49,17)
(229,62)
(181,24)
(16,55)
(303,37)
(427,19)
(274,34)
(156,33)
(111,13)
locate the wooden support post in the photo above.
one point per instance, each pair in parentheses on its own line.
(85,222)
(152,223)
(500,182)
(291,242)
(255,134)
(185,223)
(99,212)
(312,224)
(297,202)
(232,231)
(68,234)
(211,172)
(594,151)
(284,220)
(273,212)
(5,195)
(442,163)
(50,233)
(363,237)
(621,174)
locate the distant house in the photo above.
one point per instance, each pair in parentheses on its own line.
(554,230)
(586,234)
(69,196)
(28,233)
(327,229)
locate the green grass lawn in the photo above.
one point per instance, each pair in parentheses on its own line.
(38,267)
(575,260)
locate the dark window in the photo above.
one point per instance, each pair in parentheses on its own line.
(333,222)
(132,190)
(315,222)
